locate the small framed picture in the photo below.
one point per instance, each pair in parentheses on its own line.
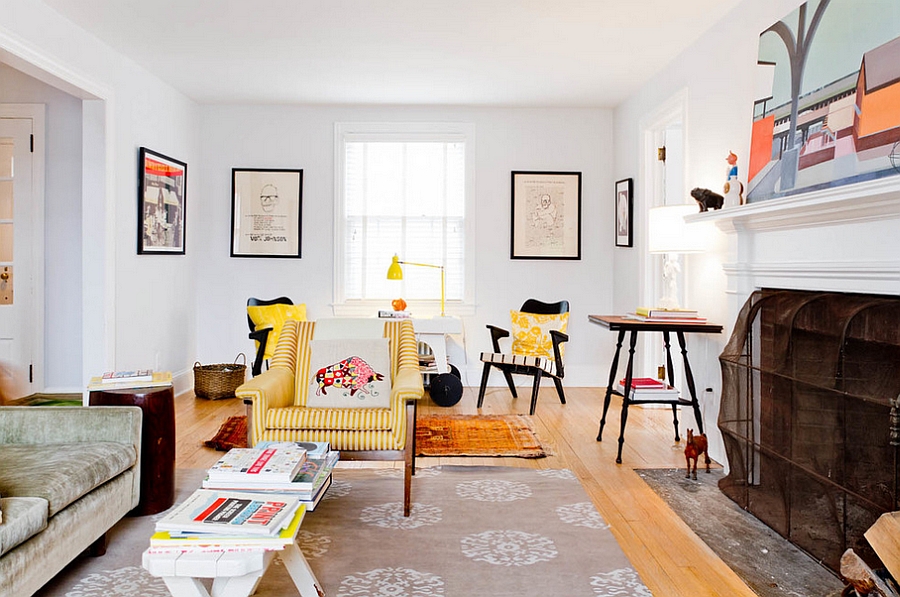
(162,193)
(624,213)
(546,215)
(266,212)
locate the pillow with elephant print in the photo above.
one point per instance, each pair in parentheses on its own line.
(349,373)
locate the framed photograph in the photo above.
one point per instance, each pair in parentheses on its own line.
(162,192)
(624,213)
(546,215)
(266,212)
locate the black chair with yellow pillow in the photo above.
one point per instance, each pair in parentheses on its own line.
(265,318)
(538,334)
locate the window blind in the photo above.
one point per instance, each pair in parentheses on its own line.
(405,198)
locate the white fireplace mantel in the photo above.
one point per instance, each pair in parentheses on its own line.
(874,200)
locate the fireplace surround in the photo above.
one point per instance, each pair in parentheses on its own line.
(809,379)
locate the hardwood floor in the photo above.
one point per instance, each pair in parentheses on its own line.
(670,558)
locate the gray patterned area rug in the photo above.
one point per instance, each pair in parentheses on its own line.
(494,531)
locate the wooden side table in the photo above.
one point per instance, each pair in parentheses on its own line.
(157,442)
(622,325)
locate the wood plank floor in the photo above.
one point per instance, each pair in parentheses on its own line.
(670,558)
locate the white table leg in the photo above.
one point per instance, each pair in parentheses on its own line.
(438,344)
(185,586)
(236,586)
(300,572)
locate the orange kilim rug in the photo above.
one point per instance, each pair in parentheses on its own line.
(477,435)
(436,435)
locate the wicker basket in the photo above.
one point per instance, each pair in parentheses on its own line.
(219,381)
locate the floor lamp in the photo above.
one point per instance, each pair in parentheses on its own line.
(669,234)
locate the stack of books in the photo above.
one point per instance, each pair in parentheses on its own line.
(308,482)
(647,388)
(666,315)
(124,380)
(211,520)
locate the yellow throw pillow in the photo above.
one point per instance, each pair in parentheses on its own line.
(274,316)
(531,333)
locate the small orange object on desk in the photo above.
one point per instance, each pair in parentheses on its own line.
(622,325)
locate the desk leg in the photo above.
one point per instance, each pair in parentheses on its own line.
(689,377)
(609,384)
(626,400)
(184,586)
(671,370)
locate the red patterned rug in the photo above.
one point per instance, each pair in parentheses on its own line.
(232,434)
(436,435)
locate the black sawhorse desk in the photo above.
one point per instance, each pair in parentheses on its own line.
(622,325)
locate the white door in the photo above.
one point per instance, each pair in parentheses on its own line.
(17,301)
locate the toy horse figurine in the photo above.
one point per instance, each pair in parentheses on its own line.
(694,447)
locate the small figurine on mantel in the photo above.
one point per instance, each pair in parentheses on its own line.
(734,189)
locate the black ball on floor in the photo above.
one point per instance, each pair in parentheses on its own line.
(446,389)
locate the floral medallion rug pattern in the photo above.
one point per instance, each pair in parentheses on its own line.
(493,531)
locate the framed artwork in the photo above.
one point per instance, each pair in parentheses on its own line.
(266,212)
(546,215)
(826,113)
(624,213)
(162,192)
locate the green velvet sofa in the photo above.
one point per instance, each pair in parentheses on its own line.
(67,475)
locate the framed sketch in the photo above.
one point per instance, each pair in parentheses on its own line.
(624,213)
(162,192)
(266,212)
(546,215)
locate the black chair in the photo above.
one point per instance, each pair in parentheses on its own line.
(522,364)
(263,335)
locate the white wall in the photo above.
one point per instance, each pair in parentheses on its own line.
(506,140)
(142,308)
(718,74)
(62,207)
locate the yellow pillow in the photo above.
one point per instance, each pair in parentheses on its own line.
(274,316)
(531,333)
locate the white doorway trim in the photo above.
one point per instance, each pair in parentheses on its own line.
(98,200)
(652,133)
(37,114)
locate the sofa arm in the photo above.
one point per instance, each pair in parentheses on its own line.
(273,389)
(70,424)
(407,386)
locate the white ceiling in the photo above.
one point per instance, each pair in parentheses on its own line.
(566,53)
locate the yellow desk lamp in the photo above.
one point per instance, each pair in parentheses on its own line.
(395,272)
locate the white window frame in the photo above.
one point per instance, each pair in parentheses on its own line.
(447,132)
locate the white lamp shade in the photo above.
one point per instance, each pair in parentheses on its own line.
(669,233)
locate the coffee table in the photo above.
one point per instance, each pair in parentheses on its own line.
(234,573)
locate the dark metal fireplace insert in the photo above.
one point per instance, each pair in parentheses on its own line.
(808,380)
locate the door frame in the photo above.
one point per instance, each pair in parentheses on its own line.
(652,129)
(98,224)
(37,114)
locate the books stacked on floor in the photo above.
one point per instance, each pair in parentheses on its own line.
(125,380)
(647,388)
(666,315)
(214,520)
(308,483)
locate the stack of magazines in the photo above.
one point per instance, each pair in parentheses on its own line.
(647,388)
(308,483)
(211,520)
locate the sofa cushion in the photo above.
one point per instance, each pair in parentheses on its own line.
(353,419)
(349,373)
(23,517)
(61,473)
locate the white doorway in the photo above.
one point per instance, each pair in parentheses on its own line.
(21,244)
(663,167)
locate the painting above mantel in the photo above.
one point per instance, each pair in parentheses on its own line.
(828,111)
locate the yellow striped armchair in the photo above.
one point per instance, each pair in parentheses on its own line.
(277,399)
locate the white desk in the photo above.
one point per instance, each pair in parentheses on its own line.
(433,332)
